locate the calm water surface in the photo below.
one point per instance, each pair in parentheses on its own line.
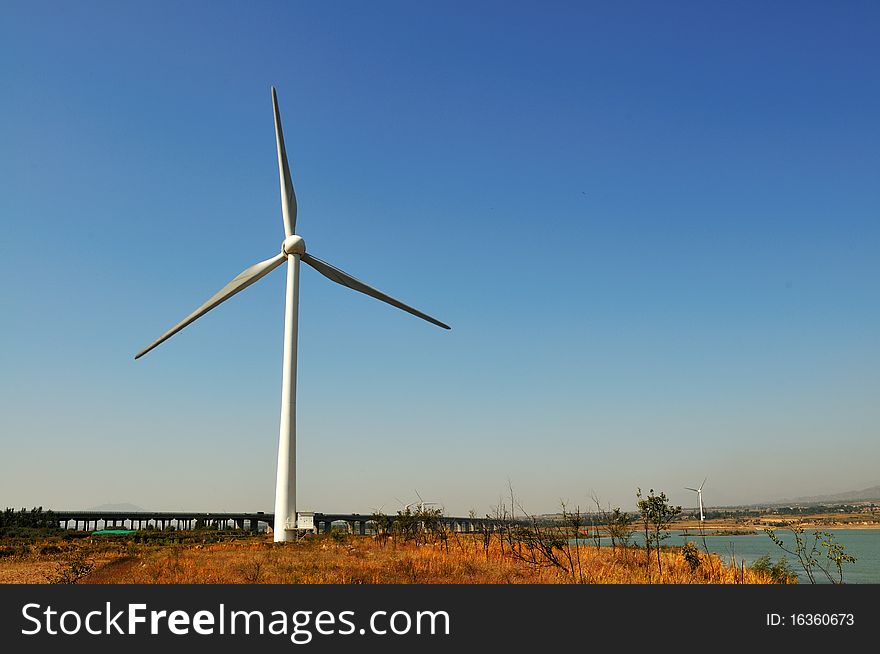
(864,544)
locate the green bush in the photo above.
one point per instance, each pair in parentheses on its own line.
(691,555)
(779,572)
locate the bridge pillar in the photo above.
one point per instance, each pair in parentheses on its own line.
(327,526)
(363,527)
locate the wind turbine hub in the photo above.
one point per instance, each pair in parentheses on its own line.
(293,244)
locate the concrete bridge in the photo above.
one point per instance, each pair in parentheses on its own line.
(94,520)
(353,523)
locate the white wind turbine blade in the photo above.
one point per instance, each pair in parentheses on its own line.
(241,282)
(693,489)
(288,197)
(703,484)
(340,277)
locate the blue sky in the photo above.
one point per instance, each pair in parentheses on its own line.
(653,229)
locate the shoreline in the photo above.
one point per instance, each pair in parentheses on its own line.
(808,525)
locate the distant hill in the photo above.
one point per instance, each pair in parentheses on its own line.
(872,493)
(125,506)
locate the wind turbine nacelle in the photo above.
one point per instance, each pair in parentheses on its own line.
(293,244)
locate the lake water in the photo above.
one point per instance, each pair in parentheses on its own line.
(864,544)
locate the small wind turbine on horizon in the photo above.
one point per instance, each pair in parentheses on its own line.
(421,503)
(293,250)
(699,492)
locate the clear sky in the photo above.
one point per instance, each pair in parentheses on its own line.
(654,229)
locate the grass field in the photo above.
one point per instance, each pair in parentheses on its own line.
(223,557)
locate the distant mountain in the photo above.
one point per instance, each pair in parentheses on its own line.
(872,493)
(125,506)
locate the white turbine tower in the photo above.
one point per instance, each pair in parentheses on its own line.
(293,250)
(699,492)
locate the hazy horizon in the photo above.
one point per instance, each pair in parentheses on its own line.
(653,229)
(588,506)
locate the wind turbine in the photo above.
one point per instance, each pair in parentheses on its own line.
(293,250)
(699,492)
(421,503)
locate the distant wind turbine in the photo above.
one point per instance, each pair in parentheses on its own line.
(421,503)
(699,492)
(293,250)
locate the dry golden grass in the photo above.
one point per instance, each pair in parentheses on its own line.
(352,560)
(366,561)
(46,560)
